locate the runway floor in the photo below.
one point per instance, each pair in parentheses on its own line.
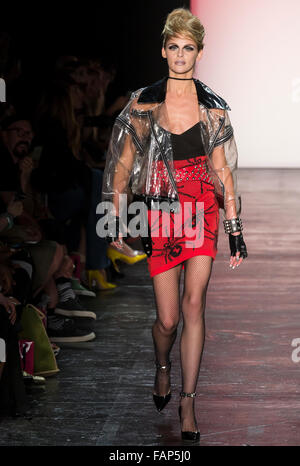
(249,391)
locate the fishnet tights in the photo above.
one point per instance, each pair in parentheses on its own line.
(164,330)
(167,296)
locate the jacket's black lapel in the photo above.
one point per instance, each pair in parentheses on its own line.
(157,93)
(154,93)
(208,97)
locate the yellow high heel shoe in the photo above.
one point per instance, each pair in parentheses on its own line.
(125,254)
(95,276)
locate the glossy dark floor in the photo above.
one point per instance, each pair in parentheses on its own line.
(249,391)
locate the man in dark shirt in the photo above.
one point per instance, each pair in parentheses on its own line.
(9,172)
(16,138)
(9,178)
(15,164)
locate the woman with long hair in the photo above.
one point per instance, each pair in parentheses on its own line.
(173,145)
(67,180)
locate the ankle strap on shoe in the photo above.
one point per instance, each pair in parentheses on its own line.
(167,366)
(190,395)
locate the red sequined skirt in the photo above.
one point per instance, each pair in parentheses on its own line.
(192,231)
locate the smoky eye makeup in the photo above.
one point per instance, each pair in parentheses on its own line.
(189,48)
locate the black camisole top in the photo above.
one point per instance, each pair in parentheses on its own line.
(187,144)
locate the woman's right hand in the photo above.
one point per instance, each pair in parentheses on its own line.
(9,305)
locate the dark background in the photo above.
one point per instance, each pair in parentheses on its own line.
(126,34)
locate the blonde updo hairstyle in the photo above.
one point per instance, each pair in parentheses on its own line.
(181,22)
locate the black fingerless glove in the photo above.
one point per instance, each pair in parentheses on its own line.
(237,244)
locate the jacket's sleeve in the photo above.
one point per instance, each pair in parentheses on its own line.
(119,158)
(225,162)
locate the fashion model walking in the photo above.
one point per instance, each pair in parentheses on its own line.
(173,147)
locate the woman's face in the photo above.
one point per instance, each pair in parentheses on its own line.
(181,53)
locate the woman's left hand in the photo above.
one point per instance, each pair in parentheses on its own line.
(238,249)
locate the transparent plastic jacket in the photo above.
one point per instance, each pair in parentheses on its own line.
(141,137)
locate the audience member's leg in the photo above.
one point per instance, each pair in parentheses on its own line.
(65,269)
(96,258)
(13,398)
(47,258)
(70,208)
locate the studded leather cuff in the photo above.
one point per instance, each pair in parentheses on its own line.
(233,225)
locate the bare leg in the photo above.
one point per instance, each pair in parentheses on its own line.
(65,270)
(164,330)
(51,290)
(197,274)
(55,265)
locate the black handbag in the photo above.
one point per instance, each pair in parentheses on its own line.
(145,240)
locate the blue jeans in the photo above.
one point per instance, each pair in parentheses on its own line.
(70,209)
(96,257)
(74,208)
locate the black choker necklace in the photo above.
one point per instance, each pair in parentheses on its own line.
(181,79)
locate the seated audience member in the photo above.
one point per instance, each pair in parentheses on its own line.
(15,292)
(96,124)
(48,256)
(13,398)
(65,178)
(96,118)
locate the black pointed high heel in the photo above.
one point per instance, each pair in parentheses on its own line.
(162,401)
(188,436)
